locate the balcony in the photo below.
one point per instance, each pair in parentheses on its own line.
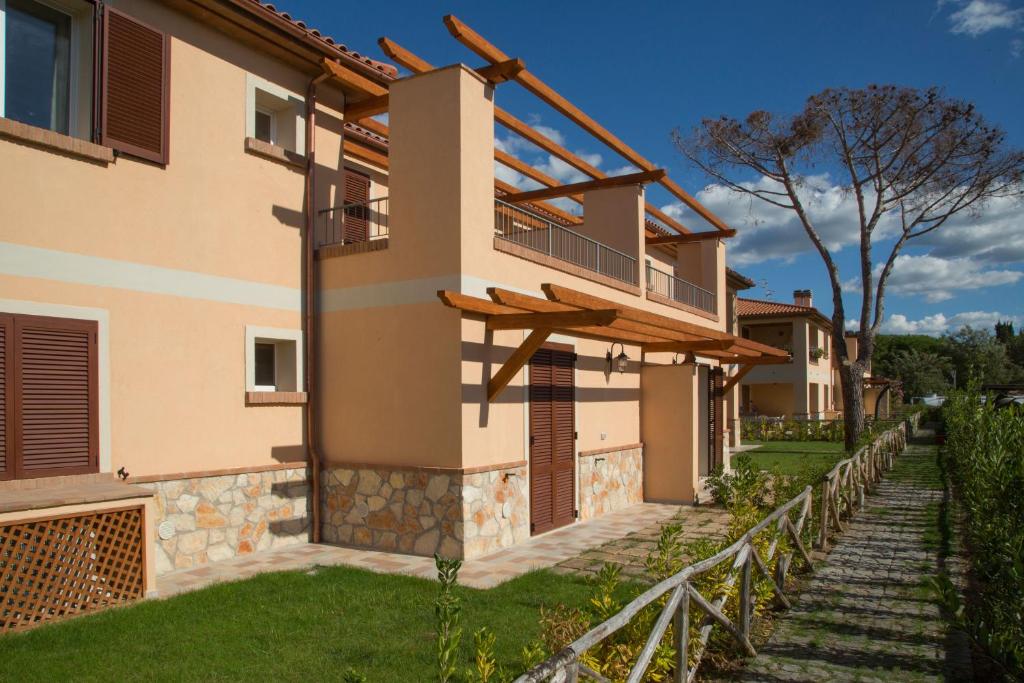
(540,235)
(680,291)
(353,228)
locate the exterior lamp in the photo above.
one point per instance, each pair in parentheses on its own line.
(620,361)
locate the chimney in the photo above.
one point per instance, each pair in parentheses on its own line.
(802,297)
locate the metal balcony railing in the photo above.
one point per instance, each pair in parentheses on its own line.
(534,232)
(355,222)
(671,287)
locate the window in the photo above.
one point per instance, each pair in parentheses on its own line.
(44,46)
(273,359)
(275,115)
(49,412)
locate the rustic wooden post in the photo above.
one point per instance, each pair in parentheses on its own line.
(860,496)
(823,529)
(681,636)
(745,602)
(572,672)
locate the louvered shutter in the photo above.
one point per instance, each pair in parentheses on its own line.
(716,417)
(563,410)
(136,77)
(357,191)
(552,439)
(541,430)
(56,396)
(6,387)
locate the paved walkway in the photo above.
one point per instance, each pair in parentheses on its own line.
(631,551)
(866,615)
(542,551)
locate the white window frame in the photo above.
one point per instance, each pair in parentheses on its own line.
(81,20)
(254,83)
(273,122)
(272,335)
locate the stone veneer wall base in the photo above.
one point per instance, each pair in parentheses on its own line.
(610,481)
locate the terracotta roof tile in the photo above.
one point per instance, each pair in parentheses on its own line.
(757,308)
(330,45)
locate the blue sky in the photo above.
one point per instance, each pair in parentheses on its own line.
(645,68)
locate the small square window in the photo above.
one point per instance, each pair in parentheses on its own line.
(273,359)
(266,367)
(274,115)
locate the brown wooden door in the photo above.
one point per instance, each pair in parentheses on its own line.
(552,438)
(357,191)
(49,404)
(716,417)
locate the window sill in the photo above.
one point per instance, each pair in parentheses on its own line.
(275,398)
(55,142)
(275,153)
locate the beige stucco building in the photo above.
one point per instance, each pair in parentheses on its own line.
(802,388)
(244,321)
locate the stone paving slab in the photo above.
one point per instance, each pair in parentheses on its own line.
(485,572)
(631,550)
(866,615)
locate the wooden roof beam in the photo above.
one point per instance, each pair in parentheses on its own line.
(555,320)
(349,78)
(690,238)
(512,190)
(414,63)
(734,380)
(687,346)
(588,185)
(478,44)
(502,72)
(363,109)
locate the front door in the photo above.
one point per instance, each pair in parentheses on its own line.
(552,438)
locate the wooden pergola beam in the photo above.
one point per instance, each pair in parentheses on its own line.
(734,380)
(588,185)
(515,362)
(478,44)
(371,106)
(366,153)
(417,64)
(691,237)
(511,190)
(502,72)
(351,79)
(530,172)
(687,346)
(555,320)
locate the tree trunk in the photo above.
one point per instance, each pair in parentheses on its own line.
(852,379)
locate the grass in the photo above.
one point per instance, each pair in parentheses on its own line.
(789,457)
(285,626)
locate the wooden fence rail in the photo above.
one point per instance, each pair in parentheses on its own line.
(842,493)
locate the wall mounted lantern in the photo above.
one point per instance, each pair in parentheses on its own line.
(618,362)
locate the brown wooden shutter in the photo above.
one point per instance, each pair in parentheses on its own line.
(56,396)
(357,191)
(563,409)
(552,439)
(136,77)
(6,386)
(716,410)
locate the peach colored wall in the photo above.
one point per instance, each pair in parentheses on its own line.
(615,218)
(177,361)
(669,431)
(774,400)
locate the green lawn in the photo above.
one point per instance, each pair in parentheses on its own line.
(789,457)
(284,626)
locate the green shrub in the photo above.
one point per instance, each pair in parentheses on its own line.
(985,448)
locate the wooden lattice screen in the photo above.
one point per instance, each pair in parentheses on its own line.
(60,566)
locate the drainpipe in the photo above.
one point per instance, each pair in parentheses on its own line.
(309,316)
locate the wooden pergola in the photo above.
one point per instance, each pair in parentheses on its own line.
(502,68)
(578,314)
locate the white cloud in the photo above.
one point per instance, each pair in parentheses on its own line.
(555,135)
(938,323)
(938,279)
(978,17)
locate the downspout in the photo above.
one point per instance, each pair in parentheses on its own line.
(309,316)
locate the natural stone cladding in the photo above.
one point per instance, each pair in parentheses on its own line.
(610,480)
(215,518)
(423,511)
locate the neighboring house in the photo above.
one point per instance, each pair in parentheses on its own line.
(734,284)
(803,388)
(380,345)
(877,390)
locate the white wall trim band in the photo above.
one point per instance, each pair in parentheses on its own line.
(49,264)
